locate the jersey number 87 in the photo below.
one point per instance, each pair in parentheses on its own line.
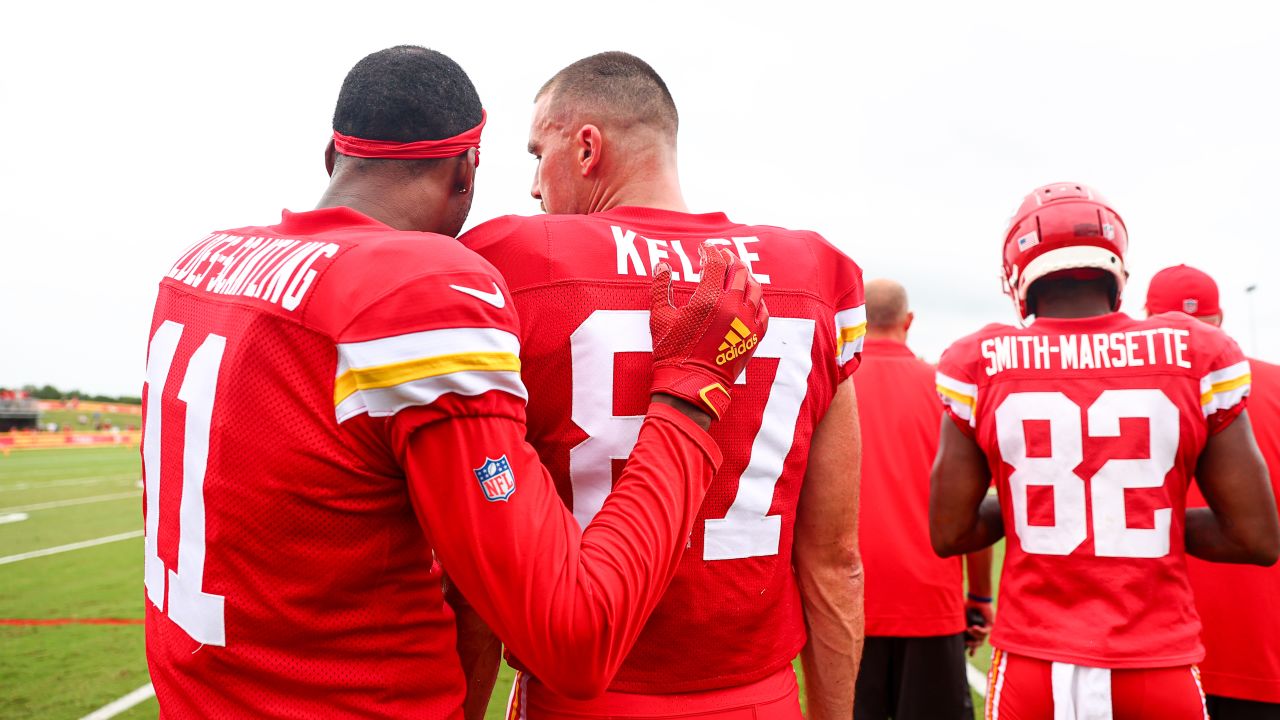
(747,529)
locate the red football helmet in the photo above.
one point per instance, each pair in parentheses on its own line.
(1063,226)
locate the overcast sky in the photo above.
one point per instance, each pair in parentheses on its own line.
(907,133)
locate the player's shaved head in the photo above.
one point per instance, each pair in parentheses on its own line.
(887,306)
(614,90)
(405,94)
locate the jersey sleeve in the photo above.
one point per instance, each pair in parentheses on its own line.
(956,383)
(569,604)
(850,318)
(432,336)
(1224,389)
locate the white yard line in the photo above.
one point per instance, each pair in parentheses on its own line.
(115,707)
(13,518)
(68,548)
(74,501)
(68,482)
(977,680)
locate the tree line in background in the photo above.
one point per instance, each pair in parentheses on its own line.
(49,392)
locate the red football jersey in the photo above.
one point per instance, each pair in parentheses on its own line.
(1092,428)
(1237,603)
(910,591)
(581,284)
(330,406)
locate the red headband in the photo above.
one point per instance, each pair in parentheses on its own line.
(420,150)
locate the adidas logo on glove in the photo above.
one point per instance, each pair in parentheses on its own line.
(736,342)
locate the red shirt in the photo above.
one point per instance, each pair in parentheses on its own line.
(581,284)
(328,420)
(1092,428)
(1238,604)
(910,591)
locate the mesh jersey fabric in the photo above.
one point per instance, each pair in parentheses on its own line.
(581,284)
(1092,428)
(1237,602)
(294,373)
(332,601)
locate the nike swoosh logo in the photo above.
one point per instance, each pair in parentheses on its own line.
(494,298)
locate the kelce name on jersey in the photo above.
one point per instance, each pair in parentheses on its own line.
(277,270)
(629,245)
(1086,351)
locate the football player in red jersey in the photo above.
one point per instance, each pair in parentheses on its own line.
(333,411)
(1241,667)
(774,550)
(1092,424)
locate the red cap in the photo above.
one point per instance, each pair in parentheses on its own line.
(1184,289)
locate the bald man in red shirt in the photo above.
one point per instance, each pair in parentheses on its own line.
(913,659)
(1241,668)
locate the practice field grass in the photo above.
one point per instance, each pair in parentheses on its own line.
(57,658)
(70,419)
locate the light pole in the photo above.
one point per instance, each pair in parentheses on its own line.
(1253,318)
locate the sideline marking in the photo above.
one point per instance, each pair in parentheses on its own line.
(25,622)
(73,501)
(13,517)
(68,548)
(94,480)
(119,705)
(977,679)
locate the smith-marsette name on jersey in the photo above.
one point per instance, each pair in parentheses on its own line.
(1087,351)
(277,270)
(677,255)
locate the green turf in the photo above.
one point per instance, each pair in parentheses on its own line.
(68,671)
(71,419)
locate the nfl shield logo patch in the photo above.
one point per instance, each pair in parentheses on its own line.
(1190,305)
(496,479)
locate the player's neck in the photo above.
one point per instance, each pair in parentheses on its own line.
(1073,307)
(897,335)
(658,189)
(382,203)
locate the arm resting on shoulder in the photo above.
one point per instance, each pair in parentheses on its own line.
(569,603)
(827,563)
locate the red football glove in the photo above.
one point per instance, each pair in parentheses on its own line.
(701,348)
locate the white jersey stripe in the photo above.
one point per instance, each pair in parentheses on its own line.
(1225,400)
(429,343)
(1226,374)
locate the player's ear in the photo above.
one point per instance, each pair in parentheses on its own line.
(590,148)
(464,177)
(910,319)
(330,154)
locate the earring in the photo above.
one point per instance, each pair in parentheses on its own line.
(462,191)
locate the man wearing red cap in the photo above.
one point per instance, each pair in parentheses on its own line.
(333,410)
(1237,603)
(1091,424)
(772,568)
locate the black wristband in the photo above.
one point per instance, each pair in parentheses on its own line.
(979,598)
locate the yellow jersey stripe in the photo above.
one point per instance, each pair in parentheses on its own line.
(958,397)
(391,374)
(1225,387)
(848,335)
